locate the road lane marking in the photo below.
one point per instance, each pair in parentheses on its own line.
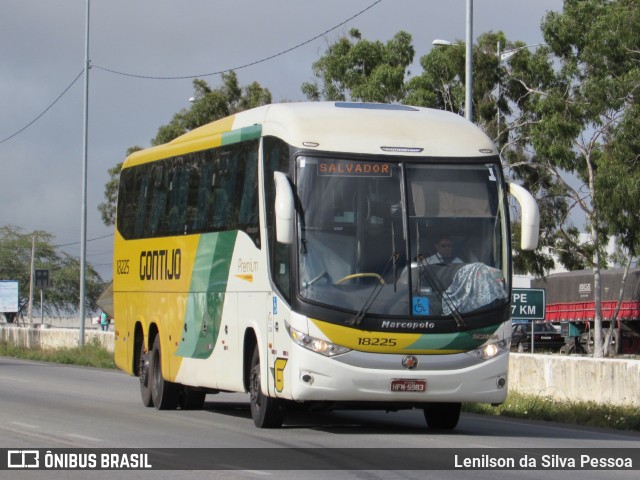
(84,437)
(14,379)
(240,469)
(25,425)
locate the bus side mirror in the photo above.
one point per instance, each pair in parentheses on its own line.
(530,221)
(285,209)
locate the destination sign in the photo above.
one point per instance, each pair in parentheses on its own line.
(349,168)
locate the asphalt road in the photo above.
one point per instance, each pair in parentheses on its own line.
(52,406)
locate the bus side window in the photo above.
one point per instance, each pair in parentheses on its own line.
(276,158)
(142,187)
(194,169)
(203,201)
(178,187)
(247,196)
(159,198)
(127,203)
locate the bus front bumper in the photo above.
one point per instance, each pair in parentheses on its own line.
(366,377)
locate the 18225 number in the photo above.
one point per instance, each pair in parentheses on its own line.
(377,342)
(122,267)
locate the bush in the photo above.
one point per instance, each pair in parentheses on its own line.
(575,413)
(90,355)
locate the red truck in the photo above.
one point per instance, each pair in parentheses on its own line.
(570,301)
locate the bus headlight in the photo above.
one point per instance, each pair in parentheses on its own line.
(490,350)
(317,345)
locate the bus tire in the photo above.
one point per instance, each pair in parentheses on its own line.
(266,412)
(144,374)
(442,416)
(163,393)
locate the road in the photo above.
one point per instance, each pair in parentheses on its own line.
(53,406)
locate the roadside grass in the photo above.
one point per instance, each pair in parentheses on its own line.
(517,406)
(574,413)
(89,355)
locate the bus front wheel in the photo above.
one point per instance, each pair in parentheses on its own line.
(163,393)
(266,412)
(442,416)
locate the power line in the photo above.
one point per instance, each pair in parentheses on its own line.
(250,64)
(89,240)
(149,77)
(45,110)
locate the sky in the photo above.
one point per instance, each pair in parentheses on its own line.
(42,51)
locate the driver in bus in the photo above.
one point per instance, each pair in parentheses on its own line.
(444,252)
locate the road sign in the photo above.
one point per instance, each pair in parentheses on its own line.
(42,279)
(9,296)
(528,303)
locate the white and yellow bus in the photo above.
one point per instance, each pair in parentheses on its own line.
(292,252)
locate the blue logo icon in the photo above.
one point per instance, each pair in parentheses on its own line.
(420,306)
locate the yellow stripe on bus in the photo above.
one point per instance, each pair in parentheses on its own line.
(376,342)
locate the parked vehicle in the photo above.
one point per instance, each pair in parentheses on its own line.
(570,300)
(547,337)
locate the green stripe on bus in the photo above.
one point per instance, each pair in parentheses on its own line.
(463,341)
(242,134)
(207,294)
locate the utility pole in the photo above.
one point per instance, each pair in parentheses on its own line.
(31,273)
(468,97)
(83,218)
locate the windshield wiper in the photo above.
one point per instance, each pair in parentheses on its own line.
(433,281)
(357,319)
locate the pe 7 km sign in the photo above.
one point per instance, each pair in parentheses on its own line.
(528,303)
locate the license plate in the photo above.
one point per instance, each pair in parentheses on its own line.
(545,338)
(406,385)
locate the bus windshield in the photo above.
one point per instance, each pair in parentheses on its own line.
(400,238)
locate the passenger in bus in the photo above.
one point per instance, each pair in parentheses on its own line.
(444,252)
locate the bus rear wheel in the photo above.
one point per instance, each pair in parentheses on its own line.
(266,412)
(163,393)
(145,380)
(442,416)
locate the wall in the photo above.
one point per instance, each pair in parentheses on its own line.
(574,378)
(51,338)
(564,378)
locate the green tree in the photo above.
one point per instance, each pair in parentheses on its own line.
(524,78)
(585,123)
(209,104)
(362,70)
(64,272)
